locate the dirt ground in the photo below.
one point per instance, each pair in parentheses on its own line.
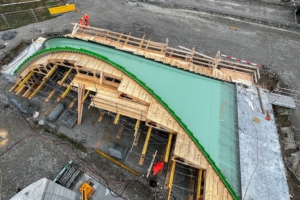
(275,48)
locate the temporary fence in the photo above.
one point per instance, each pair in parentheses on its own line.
(16,19)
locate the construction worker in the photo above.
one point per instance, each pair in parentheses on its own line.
(86,19)
(158,167)
(81,22)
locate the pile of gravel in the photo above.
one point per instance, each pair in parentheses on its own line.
(9,35)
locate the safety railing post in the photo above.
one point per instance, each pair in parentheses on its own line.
(34,15)
(5,20)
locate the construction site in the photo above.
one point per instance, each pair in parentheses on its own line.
(187,100)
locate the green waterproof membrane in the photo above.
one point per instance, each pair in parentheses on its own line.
(205,107)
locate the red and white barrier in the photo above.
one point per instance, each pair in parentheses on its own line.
(242,61)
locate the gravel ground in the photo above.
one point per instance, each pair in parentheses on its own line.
(275,48)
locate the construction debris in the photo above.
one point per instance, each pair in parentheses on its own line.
(289,141)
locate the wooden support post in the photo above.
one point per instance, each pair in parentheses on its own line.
(117,119)
(81,88)
(50,95)
(127,38)
(101,78)
(120,37)
(142,42)
(192,186)
(147,44)
(85,96)
(137,124)
(118,136)
(168,147)
(20,86)
(137,138)
(145,146)
(199,183)
(101,116)
(65,77)
(171,179)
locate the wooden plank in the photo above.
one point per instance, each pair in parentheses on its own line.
(118,136)
(72,103)
(50,95)
(101,116)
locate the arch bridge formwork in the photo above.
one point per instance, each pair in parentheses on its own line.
(105,84)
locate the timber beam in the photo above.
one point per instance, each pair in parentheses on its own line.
(142,158)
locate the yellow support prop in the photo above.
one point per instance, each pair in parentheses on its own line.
(141,161)
(171,178)
(65,77)
(137,124)
(147,140)
(50,72)
(66,92)
(85,96)
(199,183)
(117,119)
(37,89)
(168,148)
(24,81)
(117,163)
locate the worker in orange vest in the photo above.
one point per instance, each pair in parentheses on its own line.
(81,22)
(86,19)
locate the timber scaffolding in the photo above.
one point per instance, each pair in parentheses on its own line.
(183,58)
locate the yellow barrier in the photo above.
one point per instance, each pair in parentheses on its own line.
(62,9)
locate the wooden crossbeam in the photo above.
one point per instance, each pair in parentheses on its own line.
(137,124)
(117,119)
(137,138)
(72,103)
(168,147)
(101,116)
(13,88)
(191,186)
(20,86)
(65,77)
(145,146)
(199,183)
(118,136)
(171,179)
(50,95)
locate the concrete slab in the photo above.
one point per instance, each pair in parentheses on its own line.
(262,168)
(281,100)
